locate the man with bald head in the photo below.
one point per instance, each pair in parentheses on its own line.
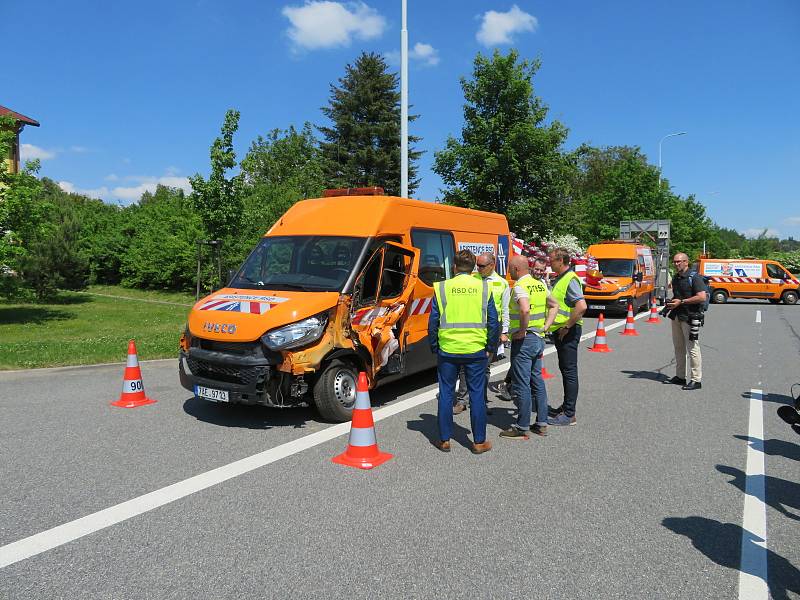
(532,312)
(688,297)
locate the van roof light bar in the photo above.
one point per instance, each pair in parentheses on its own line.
(361,191)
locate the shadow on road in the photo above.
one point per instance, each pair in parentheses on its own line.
(248,417)
(263,417)
(721,542)
(657,375)
(770,397)
(775,447)
(779,493)
(428,425)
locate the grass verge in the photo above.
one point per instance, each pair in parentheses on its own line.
(80,328)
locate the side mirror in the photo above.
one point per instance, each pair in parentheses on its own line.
(638,277)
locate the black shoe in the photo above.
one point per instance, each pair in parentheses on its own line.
(554,412)
(676,380)
(692,385)
(514,433)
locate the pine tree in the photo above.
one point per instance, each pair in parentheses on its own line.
(362,145)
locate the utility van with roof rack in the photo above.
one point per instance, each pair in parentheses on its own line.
(338,285)
(628,273)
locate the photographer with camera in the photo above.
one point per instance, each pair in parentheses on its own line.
(686,311)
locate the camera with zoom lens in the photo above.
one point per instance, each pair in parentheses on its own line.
(696,321)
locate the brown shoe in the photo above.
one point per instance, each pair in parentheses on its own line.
(444,446)
(481,448)
(459,408)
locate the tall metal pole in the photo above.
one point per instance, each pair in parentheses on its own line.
(659,151)
(404,105)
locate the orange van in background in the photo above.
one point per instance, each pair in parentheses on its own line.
(628,277)
(338,285)
(749,278)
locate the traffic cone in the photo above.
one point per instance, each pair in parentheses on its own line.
(653,313)
(630,326)
(600,344)
(132,386)
(545,373)
(362,448)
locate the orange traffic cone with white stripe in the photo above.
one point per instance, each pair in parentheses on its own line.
(132,387)
(630,327)
(362,447)
(545,373)
(654,313)
(600,344)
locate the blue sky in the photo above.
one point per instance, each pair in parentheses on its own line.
(132,94)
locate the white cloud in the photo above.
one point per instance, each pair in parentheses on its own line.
(30,152)
(755,232)
(425,53)
(792,221)
(500,27)
(78,149)
(149,184)
(111,177)
(325,24)
(69,187)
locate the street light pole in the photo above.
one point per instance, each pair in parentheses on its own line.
(659,151)
(404,105)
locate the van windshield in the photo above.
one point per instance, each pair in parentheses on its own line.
(309,263)
(615,267)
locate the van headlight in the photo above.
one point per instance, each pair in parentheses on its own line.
(625,288)
(297,334)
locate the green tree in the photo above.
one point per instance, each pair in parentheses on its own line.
(288,159)
(23,216)
(218,200)
(616,184)
(53,261)
(162,252)
(508,160)
(362,144)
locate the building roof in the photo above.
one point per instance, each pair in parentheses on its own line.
(15,115)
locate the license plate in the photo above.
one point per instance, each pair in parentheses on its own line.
(211,394)
(597,307)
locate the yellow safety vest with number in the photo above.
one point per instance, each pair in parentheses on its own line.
(559,292)
(497,286)
(463,314)
(537,297)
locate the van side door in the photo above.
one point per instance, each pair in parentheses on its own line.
(380,303)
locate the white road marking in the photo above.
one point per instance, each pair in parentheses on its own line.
(753,566)
(63,534)
(758,316)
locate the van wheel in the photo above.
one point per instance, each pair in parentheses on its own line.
(789,297)
(335,391)
(719,296)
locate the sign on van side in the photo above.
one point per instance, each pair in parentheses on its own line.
(733,269)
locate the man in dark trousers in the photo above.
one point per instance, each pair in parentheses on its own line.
(568,292)
(688,296)
(463,330)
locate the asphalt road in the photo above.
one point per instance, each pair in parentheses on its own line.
(642,499)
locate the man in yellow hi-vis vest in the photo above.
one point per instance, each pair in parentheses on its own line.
(463,330)
(568,291)
(532,311)
(484,264)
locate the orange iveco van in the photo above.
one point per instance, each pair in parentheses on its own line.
(749,278)
(338,285)
(628,276)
